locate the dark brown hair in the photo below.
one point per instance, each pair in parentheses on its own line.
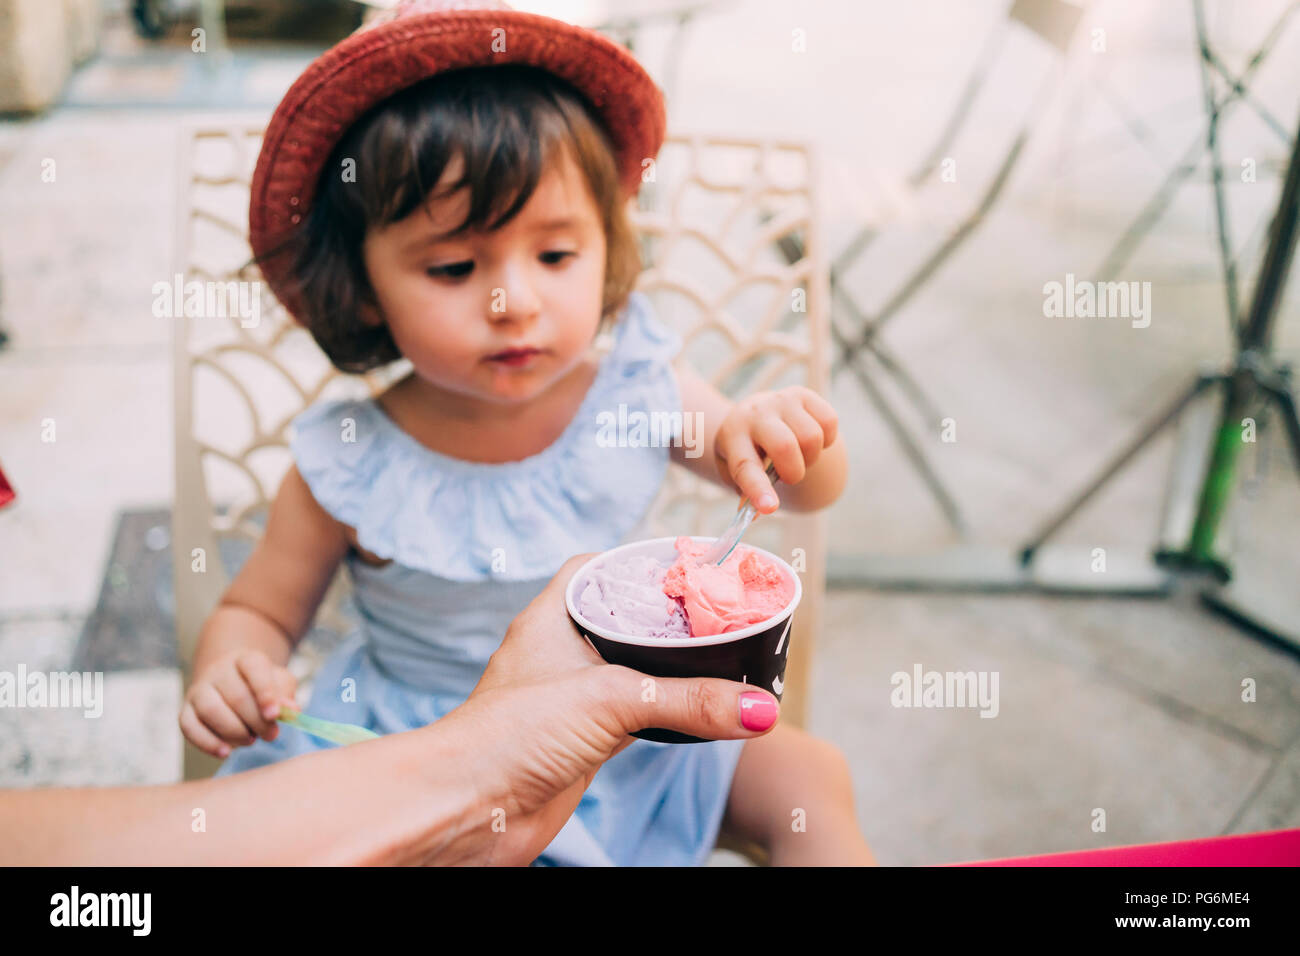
(507,123)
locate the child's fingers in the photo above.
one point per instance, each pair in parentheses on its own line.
(746,470)
(778,441)
(199,735)
(288,685)
(823,412)
(239,698)
(808,433)
(217,715)
(265,682)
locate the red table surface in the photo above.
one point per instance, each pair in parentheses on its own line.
(6,490)
(1275,848)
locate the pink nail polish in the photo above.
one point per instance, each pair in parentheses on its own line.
(757,710)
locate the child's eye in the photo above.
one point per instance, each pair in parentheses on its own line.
(453,270)
(555,257)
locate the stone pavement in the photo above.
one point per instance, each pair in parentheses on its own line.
(1133,706)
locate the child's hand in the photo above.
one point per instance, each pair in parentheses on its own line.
(790,426)
(236,700)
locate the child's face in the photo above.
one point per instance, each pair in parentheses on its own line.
(536,283)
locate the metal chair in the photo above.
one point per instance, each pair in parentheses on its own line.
(857,331)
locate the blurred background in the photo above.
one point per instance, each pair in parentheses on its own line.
(968,154)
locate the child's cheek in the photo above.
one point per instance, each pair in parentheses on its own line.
(436,349)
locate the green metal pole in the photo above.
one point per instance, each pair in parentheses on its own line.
(1253,359)
(1219,478)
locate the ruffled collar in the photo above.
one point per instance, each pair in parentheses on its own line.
(502,470)
(515,520)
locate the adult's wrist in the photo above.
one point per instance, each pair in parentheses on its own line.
(426,810)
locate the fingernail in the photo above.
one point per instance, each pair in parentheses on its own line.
(223,751)
(271,711)
(767,500)
(757,710)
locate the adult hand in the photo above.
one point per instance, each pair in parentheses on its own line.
(548,712)
(544,717)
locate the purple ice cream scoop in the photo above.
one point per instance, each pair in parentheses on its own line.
(626,595)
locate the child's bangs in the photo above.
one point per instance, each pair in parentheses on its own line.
(504,125)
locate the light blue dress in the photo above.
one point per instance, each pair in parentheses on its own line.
(471,544)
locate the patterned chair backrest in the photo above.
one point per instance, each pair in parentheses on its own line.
(712,212)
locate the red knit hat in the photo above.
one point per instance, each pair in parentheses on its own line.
(415,40)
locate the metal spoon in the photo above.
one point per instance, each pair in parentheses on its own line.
(745,515)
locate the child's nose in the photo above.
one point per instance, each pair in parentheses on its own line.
(514,298)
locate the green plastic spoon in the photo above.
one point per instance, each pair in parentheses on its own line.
(326,729)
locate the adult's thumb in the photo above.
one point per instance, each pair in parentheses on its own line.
(704,707)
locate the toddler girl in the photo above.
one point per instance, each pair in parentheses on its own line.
(449,186)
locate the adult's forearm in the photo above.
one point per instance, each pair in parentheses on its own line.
(390,801)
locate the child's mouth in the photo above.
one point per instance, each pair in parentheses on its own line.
(515,358)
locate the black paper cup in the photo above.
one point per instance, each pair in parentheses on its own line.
(752,655)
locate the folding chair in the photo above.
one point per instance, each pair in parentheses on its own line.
(856,332)
(1217,106)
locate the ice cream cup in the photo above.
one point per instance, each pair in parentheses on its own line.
(753,655)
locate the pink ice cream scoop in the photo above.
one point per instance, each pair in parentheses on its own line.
(627,595)
(743,590)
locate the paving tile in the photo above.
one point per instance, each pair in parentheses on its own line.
(1169,650)
(1194,659)
(1276,804)
(111,448)
(44,641)
(135,739)
(80,254)
(937,785)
